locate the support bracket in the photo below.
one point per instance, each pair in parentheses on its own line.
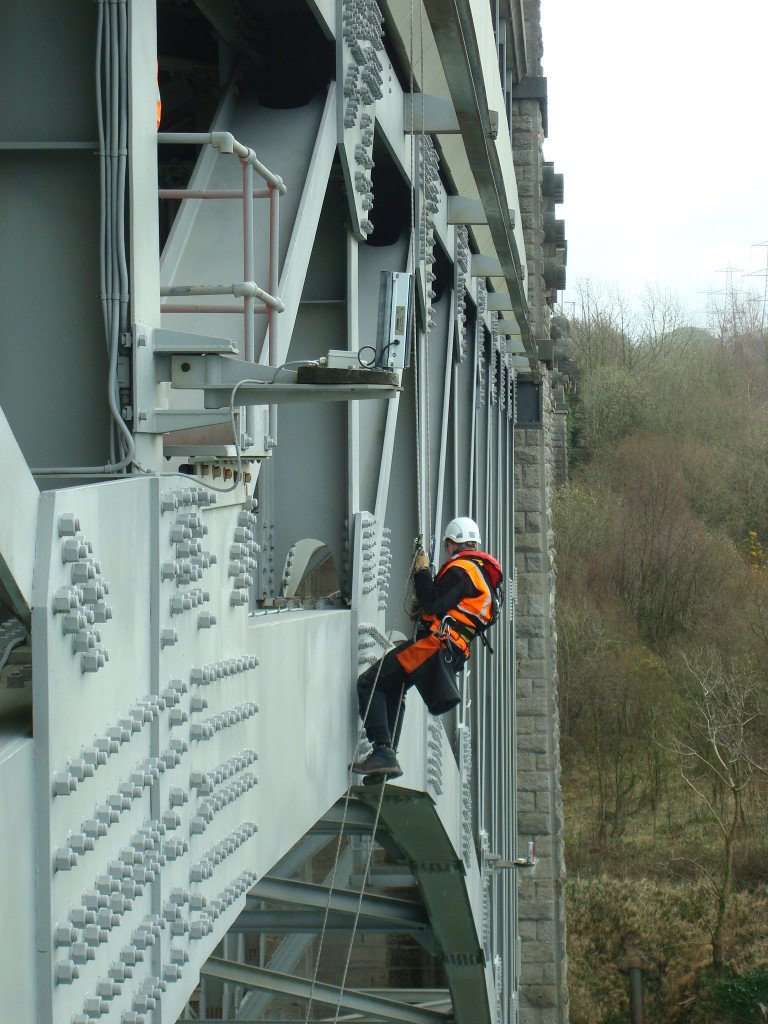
(217,375)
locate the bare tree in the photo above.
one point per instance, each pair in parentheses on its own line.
(662,564)
(606,329)
(719,741)
(605,706)
(601,326)
(664,326)
(738,320)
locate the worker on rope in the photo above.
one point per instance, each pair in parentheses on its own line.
(461,602)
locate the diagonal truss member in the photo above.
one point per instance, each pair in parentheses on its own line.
(406,913)
(331,995)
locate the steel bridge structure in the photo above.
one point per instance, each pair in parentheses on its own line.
(255,341)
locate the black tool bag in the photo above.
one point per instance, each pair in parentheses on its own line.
(436,682)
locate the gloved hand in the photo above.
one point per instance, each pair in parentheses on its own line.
(421,561)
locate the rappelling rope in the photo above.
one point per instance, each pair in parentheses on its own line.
(416,260)
(360,734)
(363,884)
(413,261)
(422,184)
(420,260)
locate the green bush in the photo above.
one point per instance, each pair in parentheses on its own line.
(731,998)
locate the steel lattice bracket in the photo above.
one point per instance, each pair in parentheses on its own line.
(428,194)
(360,70)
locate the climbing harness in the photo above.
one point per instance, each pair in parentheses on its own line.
(473,615)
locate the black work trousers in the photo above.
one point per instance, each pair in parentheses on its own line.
(381,690)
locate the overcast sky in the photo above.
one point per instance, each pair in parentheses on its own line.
(658,117)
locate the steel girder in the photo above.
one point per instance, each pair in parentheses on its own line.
(453,28)
(293,947)
(330,995)
(341,901)
(279,922)
(412,819)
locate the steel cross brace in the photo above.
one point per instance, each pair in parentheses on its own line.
(305,894)
(357,820)
(281,922)
(331,995)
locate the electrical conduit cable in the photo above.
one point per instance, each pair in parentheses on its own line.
(11,647)
(111,79)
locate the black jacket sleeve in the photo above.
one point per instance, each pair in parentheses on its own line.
(438,597)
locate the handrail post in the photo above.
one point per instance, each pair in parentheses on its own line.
(225,142)
(249,274)
(274,257)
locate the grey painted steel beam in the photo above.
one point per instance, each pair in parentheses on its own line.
(358,820)
(413,821)
(300,854)
(281,394)
(162,421)
(418,996)
(508,327)
(282,922)
(355,814)
(306,894)
(330,995)
(346,1018)
(436,116)
(384,880)
(293,947)
(454,31)
(331,828)
(217,375)
(499,302)
(19,504)
(431,114)
(175,343)
(485,266)
(470,211)
(519,40)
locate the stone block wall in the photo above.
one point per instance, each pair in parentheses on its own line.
(559,435)
(527,138)
(541,910)
(527,141)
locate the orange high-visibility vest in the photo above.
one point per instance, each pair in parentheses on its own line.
(472,612)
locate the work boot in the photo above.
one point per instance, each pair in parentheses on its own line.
(380,761)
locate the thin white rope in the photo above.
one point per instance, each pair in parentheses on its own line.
(414,260)
(362,889)
(360,734)
(428,540)
(413,263)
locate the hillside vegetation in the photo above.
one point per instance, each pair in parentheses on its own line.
(662,533)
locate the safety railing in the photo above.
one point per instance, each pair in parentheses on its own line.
(248,290)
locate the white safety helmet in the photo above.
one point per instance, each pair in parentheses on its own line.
(462,530)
